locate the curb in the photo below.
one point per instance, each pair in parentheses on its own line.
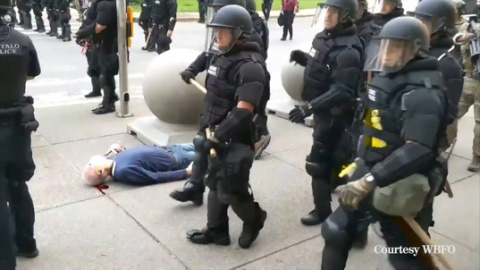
(194,19)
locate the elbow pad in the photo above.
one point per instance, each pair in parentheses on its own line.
(238,117)
(409,159)
(250,92)
(87,31)
(171,24)
(338,94)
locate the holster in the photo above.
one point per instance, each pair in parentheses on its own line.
(437,176)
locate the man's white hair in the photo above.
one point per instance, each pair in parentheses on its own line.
(93,170)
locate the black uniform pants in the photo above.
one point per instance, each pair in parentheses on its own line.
(288,27)
(202,10)
(18,216)
(330,150)
(339,232)
(93,69)
(159,36)
(199,166)
(108,62)
(65,23)
(38,12)
(229,186)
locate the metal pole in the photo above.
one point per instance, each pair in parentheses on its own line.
(122,57)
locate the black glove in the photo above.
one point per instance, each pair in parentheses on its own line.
(299,57)
(187,75)
(299,113)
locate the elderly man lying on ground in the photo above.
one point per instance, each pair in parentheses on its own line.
(141,165)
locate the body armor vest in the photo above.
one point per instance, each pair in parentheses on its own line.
(160,12)
(322,61)
(221,86)
(14,63)
(384,110)
(146,10)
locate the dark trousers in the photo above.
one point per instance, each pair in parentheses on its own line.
(329,151)
(266,8)
(159,36)
(94,69)
(396,233)
(18,216)
(287,28)
(65,23)
(202,10)
(229,186)
(109,66)
(37,11)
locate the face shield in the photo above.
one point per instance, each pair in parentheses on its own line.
(383,7)
(389,55)
(326,17)
(211,11)
(224,39)
(432,26)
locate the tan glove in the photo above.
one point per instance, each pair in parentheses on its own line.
(355,191)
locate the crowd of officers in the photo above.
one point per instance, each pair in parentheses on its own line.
(384,90)
(58,17)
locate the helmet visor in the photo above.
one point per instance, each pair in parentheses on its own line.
(383,6)
(431,24)
(326,17)
(389,55)
(223,39)
(211,11)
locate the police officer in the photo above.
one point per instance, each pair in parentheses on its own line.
(38,12)
(266,8)
(202,10)
(194,187)
(364,22)
(234,83)
(64,20)
(439,18)
(466,37)
(399,144)
(13,17)
(385,10)
(91,53)
(55,18)
(145,21)
(17,121)
(333,75)
(103,32)
(164,18)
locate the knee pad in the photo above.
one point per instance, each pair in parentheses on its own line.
(334,233)
(316,169)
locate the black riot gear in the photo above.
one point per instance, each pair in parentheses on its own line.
(437,15)
(222,3)
(332,77)
(347,8)
(381,13)
(400,139)
(164,19)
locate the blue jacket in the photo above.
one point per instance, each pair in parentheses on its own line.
(145,165)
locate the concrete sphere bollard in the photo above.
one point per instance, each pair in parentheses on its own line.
(167,96)
(292,76)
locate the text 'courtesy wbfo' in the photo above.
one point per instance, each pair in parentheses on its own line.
(428,249)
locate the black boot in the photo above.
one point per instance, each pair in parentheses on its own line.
(96,89)
(315,217)
(250,231)
(191,191)
(53,29)
(28,254)
(219,236)
(68,34)
(106,108)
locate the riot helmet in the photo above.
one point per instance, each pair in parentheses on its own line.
(460,6)
(250,5)
(334,12)
(386,6)
(400,40)
(437,15)
(215,5)
(229,24)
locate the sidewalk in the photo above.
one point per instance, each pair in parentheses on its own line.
(141,228)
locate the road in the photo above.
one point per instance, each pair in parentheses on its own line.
(64,79)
